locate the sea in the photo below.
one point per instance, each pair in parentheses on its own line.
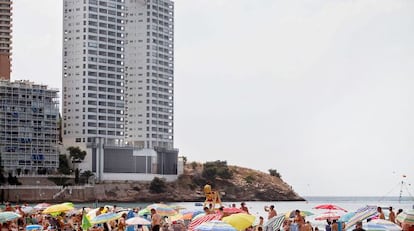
(257,207)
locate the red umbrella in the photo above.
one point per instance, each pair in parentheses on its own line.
(200,220)
(330,207)
(328,216)
(232,210)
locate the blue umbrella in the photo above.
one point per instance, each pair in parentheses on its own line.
(215,225)
(346,217)
(34,227)
(105,218)
(130,215)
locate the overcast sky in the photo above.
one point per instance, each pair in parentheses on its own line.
(321,91)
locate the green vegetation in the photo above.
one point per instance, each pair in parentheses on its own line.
(218,168)
(158,185)
(64,165)
(12,180)
(250,179)
(85,175)
(275,173)
(76,154)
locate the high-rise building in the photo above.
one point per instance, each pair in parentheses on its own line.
(93,71)
(5,38)
(29,127)
(149,59)
(118,77)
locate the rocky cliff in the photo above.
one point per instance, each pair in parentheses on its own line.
(244,185)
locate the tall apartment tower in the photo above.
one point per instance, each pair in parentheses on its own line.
(149,59)
(118,72)
(93,71)
(5,38)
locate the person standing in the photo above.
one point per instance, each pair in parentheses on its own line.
(271,211)
(155,220)
(391,216)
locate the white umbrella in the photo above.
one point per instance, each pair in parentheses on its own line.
(137,221)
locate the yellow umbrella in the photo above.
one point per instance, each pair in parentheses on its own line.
(58,208)
(240,221)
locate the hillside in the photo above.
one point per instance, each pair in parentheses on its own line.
(239,184)
(245,184)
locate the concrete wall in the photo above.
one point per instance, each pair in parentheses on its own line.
(136,177)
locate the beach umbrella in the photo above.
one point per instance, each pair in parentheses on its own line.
(361,214)
(331,215)
(406,217)
(292,214)
(346,217)
(215,225)
(130,215)
(102,218)
(232,210)
(42,206)
(202,219)
(240,221)
(137,221)
(33,227)
(58,208)
(163,209)
(28,209)
(274,223)
(144,212)
(381,225)
(8,216)
(329,207)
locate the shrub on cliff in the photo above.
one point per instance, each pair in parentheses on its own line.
(158,185)
(218,168)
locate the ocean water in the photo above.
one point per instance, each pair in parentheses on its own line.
(257,207)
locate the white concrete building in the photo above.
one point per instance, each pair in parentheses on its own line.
(93,71)
(118,73)
(149,58)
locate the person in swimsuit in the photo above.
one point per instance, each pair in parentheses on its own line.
(155,220)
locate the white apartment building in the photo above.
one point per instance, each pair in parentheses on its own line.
(93,71)
(29,127)
(149,59)
(118,79)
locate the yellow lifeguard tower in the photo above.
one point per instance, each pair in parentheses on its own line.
(212,198)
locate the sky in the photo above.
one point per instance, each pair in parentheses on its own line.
(319,90)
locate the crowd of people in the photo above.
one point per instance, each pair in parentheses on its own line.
(72,220)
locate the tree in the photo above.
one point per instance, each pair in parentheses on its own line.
(273,172)
(2,178)
(64,165)
(85,175)
(76,154)
(158,185)
(218,168)
(77,176)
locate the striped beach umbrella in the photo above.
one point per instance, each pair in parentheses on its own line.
(215,225)
(406,217)
(240,221)
(331,215)
(381,225)
(202,219)
(163,209)
(102,218)
(42,206)
(274,223)
(361,214)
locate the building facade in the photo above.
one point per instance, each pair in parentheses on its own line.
(29,127)
(93,71)
(118,77)
(149,58)
(5,38)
